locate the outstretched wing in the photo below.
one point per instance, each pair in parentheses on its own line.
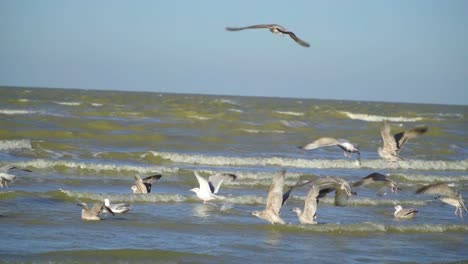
(204,185)
(389,143)
(275,194)
(402,137)
(440,188)
(148,181)
(250,27)
(216,180)
(311,201)
(298,40)
(288,192)
(321,142)
(373,177)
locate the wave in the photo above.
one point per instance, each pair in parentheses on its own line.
(258,131)
(377,227)
(47,164)
(430,178)
(310,163)
(17,112)
(293,124)
(290,113)
(68,103)
(377,118)
(15,144)
(96,104)
(128,198)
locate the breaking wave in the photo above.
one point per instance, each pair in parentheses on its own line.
(307,163)
(68,103)
(290,113)
(15,144)
(17,112)
(377,118)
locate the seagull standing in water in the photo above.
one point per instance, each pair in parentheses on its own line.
(404,213)
(209,188)
(5,177)
(392,144)
(447,195)
(275,29)
(378,178)
(144,185)
(344,144)
(274,201)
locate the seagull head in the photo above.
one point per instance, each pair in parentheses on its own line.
(256,213)
(195,190)
(398,208)
(134,189)
(106,202)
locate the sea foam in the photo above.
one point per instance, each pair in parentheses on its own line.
(377,118)
(15,144)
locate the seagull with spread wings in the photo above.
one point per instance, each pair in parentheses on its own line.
(274,201)
(5,177)
(144,185)
(377,178)
(392,144)
(446,194)
(275,29)
(209,188)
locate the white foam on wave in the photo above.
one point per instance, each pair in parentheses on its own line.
(432,178)
(23,100)
(17,112)
(128,198)
(15,144)
(96,104)
(68,103)
(290,113)
(258,131)
(235,110)
(293,123)
(200,117)
(310,163)
(377,118)
(47,164)
(367,227)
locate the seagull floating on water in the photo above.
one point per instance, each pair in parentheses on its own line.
(275,29)
(119,208)
(209,188)
(309,215)
(274,201)
(93,213)
(5,177)
(144,185)
(344,144)
(447,195)
(392,144)
(378,178)
(404,213)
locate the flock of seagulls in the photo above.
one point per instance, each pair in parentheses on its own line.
(208,188)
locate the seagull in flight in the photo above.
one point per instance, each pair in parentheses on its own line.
(144,185)
(378,178)
(392,144)
(209,188)
(344,144)
(446,194)
(274,201)
(275,29)
(5,177)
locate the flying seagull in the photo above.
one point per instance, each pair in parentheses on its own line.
(404,213)
(309,215)
(339,185)
(344,144)
(392,144)
(209,188)
(446,194)
(275,29)
(5,177)
(274,201)
(378,178)
(120,208)
(93,213)
(144,185)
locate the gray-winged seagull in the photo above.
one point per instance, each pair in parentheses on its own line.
(344,144)
(5,177)
(275,29)
(308,216)
(144,185)
(404,213)
(378,178)
(93,213)
(447,195)
(119,208)
(392,144)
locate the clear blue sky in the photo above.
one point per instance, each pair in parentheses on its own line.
(400,50)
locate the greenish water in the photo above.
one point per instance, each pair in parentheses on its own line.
(88,145)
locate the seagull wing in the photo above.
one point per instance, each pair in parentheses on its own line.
(250,27)
(275,194)
(440,188)
(373,177)
(288,192)
(148,181)
(389,143)
(141,186)
(216,180)
(295,38)
(310,202)
(402,137)
(321,142)
(204,185)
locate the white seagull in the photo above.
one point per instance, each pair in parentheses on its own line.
(144,185)
(309,215)
(93,213)
(274,201)
(275,29)
(404,213)
(447,195)
(5,177)
(392,144)
(344,144)
(378,178)
(120,208)
(209,188)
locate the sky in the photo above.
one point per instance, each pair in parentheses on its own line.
(372,50)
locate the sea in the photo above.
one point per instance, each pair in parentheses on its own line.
(88,145)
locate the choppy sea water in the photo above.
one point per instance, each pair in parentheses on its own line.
(88,145)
